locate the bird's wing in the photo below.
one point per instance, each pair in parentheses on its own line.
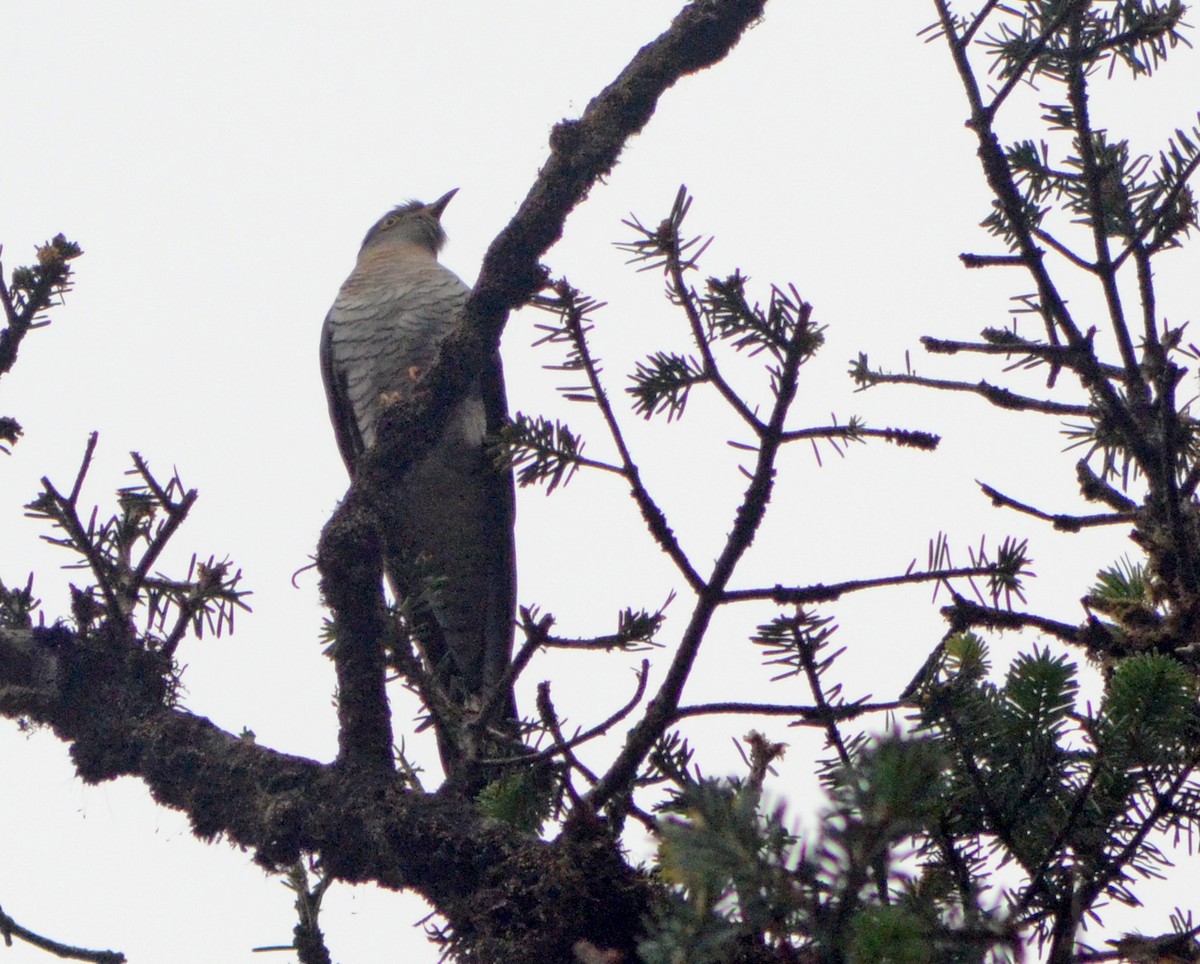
(341,410)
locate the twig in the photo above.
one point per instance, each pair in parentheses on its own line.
(1053,354)
(78,535)
(808,714)
(550,721)
(84,465)
(1018,71)
(965,614)
(1000,397)
(1168,203)
(970,260)
(824,712)
(1089,266)
(1077,95)
(1061,521)
(821,592)
(652,513)
(177,512)
(685,297)
(905,437)
(9,928)
(598,730)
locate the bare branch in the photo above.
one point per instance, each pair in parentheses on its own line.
(1013,345)
(1000,397)
(1061,521)
(903,437)
(806,714)
(9,928)
(559,748)
(749,516)
(828,592)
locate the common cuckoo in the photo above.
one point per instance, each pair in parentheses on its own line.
(449,523)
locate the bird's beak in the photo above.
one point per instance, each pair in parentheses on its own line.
(438,206)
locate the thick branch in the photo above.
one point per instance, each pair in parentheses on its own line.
(116,716)
(507,895)
(581,152)
(354,550)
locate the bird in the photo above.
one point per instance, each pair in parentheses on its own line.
(448,523)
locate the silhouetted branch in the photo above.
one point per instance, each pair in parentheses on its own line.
(965,614)
(9,929)
(581,358)
(822,592)
(1061,521)
(749,515)
(903,437)
(805,714)
(560,747)
(970,260)
(1061,355)
(1000,397)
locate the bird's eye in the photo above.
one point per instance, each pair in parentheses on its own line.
(390,221)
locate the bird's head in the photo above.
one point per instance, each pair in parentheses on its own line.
(413,223)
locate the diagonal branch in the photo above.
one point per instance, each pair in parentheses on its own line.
(581,152)
(9,928)
(659,714)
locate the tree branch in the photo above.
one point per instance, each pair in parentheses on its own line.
(1061,521)
(806,714)
(506,895)
(965,614)
(582,151)
(9,928)
(1000,397)
(750,512)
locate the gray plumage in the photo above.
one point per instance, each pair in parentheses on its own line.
(452,515)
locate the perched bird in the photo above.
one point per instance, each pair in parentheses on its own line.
(449,522)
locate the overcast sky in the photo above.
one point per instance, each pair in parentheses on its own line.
(219,165)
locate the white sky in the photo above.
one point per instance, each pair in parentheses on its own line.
(219,165)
